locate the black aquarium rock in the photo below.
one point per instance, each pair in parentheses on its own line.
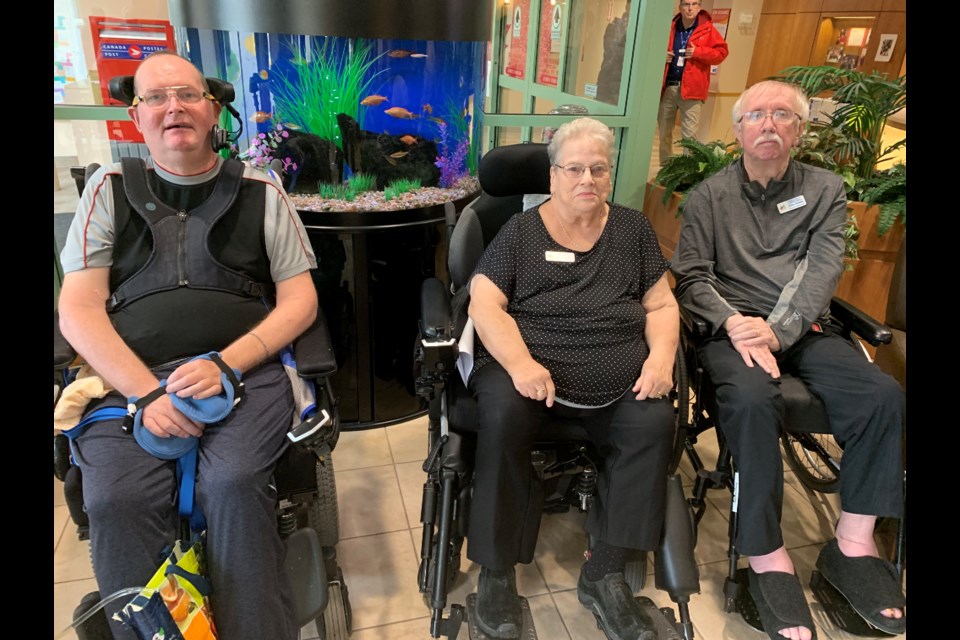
(388,157)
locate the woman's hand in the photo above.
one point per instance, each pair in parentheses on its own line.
(532,380)
(656,379)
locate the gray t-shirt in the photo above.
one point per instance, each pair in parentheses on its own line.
(582,320)
(89,241)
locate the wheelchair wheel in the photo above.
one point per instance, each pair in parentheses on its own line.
(815,458)
(635,571)
(323,515)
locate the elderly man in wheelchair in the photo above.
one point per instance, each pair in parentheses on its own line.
(185,276)
(576,322)
(759,256)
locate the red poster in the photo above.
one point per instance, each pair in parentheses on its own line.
(120,45)
(548,53)
(721,20)
(518,20)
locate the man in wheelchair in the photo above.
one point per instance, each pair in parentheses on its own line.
(167,260)
(759,257)
(576,320)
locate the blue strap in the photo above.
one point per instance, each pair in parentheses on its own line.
(103,413)
(187,478)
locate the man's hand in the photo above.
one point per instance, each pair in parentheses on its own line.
(755,341)
(163,420)
(688,51)
(656,379)
(532,380)
(669,57)
(197,379)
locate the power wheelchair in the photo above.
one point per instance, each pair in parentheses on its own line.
(307,509)
(563,457)
(808,447)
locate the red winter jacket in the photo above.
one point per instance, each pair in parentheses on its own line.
(709,48)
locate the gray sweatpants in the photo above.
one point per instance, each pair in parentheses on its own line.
(131,499)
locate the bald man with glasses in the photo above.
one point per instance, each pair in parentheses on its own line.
(694,45)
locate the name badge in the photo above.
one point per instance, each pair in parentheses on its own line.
(791,204)
(559,256)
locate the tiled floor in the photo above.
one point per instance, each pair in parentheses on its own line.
(379,483)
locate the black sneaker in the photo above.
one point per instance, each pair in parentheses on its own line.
(619,615)
(498,603)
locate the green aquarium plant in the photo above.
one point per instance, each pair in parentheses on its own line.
(400,186)
(334,81)
(348,191)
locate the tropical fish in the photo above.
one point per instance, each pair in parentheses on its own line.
(428,108)
(437,120)
(399,154)
(400,112)
(391,160)
(399,53)
(374,100)
(408,140)
(291,126)
(263,74)
(260,116)
(418,55)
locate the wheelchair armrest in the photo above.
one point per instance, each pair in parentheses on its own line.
(695,326)
(313,350)
(63,353)
(435,310)
(856,321)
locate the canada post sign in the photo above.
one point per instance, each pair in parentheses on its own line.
(128,51)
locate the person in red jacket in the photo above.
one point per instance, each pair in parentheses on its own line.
(694,45)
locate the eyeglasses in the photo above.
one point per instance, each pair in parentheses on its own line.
(158,98)
(780,116)
(574,171)
(689,5)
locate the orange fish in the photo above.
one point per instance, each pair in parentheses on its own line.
(408,140)
(263,74)
(374,100)
(400,112)
(399,154)
(399,53)
(428,108)
(260,116)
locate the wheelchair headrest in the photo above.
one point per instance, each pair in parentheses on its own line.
(121,88)
(515,169)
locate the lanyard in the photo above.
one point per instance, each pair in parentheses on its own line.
(689,32)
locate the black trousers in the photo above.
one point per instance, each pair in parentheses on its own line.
(634,440)
(865,407)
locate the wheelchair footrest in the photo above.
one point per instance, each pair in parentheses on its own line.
(839,611)
(528,632)
(744,600)
(664,620)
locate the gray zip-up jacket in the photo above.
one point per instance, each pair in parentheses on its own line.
(739,252)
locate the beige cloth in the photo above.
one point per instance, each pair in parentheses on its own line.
(76,396)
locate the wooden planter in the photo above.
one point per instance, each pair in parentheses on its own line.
(867,286)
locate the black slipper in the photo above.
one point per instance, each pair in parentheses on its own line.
(869,584)
(780,602)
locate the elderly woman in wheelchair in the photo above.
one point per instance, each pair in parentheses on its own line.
(575,319)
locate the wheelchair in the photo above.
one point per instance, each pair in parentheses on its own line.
(307,509)
(563,456)
(808,447)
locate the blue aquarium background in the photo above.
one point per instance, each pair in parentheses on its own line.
(408,104)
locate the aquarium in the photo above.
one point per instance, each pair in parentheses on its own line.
(352,124)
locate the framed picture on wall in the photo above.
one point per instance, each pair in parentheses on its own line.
(888,42)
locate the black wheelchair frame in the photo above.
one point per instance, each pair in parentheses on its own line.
(563,458)
(808,448)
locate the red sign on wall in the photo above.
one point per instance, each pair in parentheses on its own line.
(120,45)
(548,53)
(517,25)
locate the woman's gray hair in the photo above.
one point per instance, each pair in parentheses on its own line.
(801,106)
(581,128)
